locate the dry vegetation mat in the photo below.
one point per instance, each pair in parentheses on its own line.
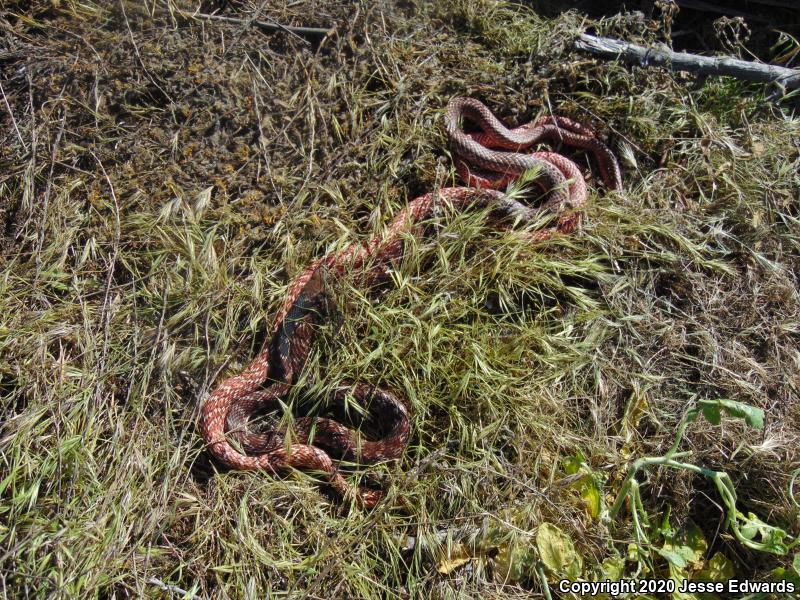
(619,403)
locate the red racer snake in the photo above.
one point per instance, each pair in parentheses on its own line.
(487,160)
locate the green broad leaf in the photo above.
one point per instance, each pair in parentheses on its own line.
(557,552)
(691,539)
(634,409)
(767,531)
(678,575)
(718,570)
(771,537)
(612,569)
(674,558)
(685,548)
(633,553)
(779,573)
(573,464)
(588,486)
(590,493)
(513,562)
(791,574)
(713,409)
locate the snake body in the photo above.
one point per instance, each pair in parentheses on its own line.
(314,443)
(481,149)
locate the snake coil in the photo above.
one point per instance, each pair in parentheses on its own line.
(487,161)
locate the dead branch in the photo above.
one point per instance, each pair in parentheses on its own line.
(662,56)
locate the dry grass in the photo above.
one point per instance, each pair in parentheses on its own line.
(127,290)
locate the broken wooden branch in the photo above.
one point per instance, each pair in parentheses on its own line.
(662,56)
(303,32)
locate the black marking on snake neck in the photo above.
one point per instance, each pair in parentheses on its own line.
(306,309)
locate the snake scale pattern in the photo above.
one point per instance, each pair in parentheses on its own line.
(487,160)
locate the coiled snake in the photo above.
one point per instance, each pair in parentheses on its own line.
(487,160)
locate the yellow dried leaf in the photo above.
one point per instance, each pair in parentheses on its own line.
(458,556)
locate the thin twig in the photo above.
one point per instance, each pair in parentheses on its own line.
(303,32)
(168,587)
(13,120)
